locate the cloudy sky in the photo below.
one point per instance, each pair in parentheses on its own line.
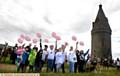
(65,17)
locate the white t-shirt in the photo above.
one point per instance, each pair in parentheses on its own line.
(118,63)
(44,54)
(59,58)
(72,56)
(64,55)
(51,54)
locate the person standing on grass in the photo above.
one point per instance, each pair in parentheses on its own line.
(59,60)
(43,58)
(13,55)
(94,63)
(76,63)
(31,58)
(54,65)
(24,60)
(50,58)
(19,57)
(64,57)
(38,58)
(72,59)
(82,61)
(105,63)
(118,63)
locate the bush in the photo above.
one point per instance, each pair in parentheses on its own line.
(6,60)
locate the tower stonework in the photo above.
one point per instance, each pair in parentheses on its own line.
(101,36)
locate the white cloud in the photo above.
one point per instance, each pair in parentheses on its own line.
(65,17)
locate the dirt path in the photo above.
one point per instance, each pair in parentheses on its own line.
(7,68)
(10,68)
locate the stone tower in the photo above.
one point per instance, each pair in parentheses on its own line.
(101,36)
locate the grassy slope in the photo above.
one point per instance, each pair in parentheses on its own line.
(111,72)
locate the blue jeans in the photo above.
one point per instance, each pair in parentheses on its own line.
(71,67)
(50,64)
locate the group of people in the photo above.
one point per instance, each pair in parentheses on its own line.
(54,57)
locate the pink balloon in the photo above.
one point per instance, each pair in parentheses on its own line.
(20,40)
(46,40)
(74,38)
(27,38)
(54,34)
(35,40)
(38,34)
(58,38)
(81,43)
(22,36)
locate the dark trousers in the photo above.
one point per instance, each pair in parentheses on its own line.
(41,65)
(118,67)
(63,68)
(37,67)
(30,68)
(54,67)
(75,67)
(22,67)
(49,65)
(81,67)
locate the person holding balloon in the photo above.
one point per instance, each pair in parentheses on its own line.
(62,49)
(54,64)
(38,58)
(19,51)
(76,66)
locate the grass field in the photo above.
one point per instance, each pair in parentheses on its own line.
(8,68)
(82,74)
(110,72)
